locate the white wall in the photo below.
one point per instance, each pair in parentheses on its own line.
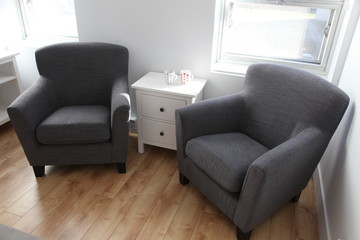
(27,65)
(339,169)
(160,34)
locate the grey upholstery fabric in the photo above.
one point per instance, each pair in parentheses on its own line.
(226,201)
(83,73)
(76,125)
(291,100)
(85,87)
(8,233)
(225,158)
(282,122)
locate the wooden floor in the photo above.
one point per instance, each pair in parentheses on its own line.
(95,202)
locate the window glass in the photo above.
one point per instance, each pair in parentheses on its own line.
(49,18)
(296,33)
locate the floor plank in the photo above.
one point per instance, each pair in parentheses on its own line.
(83,218)
(164,211)
(32,197)
(148,202)
(7,218)
(130,226)
(185,219)
(118,208)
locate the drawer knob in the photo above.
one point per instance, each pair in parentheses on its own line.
(162,109)
(161,133)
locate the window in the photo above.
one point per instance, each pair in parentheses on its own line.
(49,18)
(298,33)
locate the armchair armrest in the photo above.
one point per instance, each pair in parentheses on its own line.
(217,115)
(120,102)
(277,176)
(120,117)
(222,114)
(29,109)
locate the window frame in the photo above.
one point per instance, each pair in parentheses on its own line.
(238,65)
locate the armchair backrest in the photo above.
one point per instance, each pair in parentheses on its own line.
(282,101)
(83,73)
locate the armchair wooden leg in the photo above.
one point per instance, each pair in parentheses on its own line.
(121,167)
(296,198)
(241,235)
(182,179)
(39,171)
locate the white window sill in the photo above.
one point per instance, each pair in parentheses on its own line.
(239,69)
(229,69)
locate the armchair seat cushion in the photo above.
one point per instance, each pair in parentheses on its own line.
(76,125)
(225,157)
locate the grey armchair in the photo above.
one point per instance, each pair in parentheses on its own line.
(78,110)
(252,152)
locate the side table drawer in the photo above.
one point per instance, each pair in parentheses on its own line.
(158,132)
(160,107)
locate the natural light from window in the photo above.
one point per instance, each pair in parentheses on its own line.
(259,30)
(49,18)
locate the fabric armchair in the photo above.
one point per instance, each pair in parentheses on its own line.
(252,152)
(78,111)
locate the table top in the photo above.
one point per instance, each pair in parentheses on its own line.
(7,54)
(154,81)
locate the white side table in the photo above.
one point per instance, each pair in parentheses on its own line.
(156,102)
(9,82)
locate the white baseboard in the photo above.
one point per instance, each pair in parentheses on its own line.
(323,226)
